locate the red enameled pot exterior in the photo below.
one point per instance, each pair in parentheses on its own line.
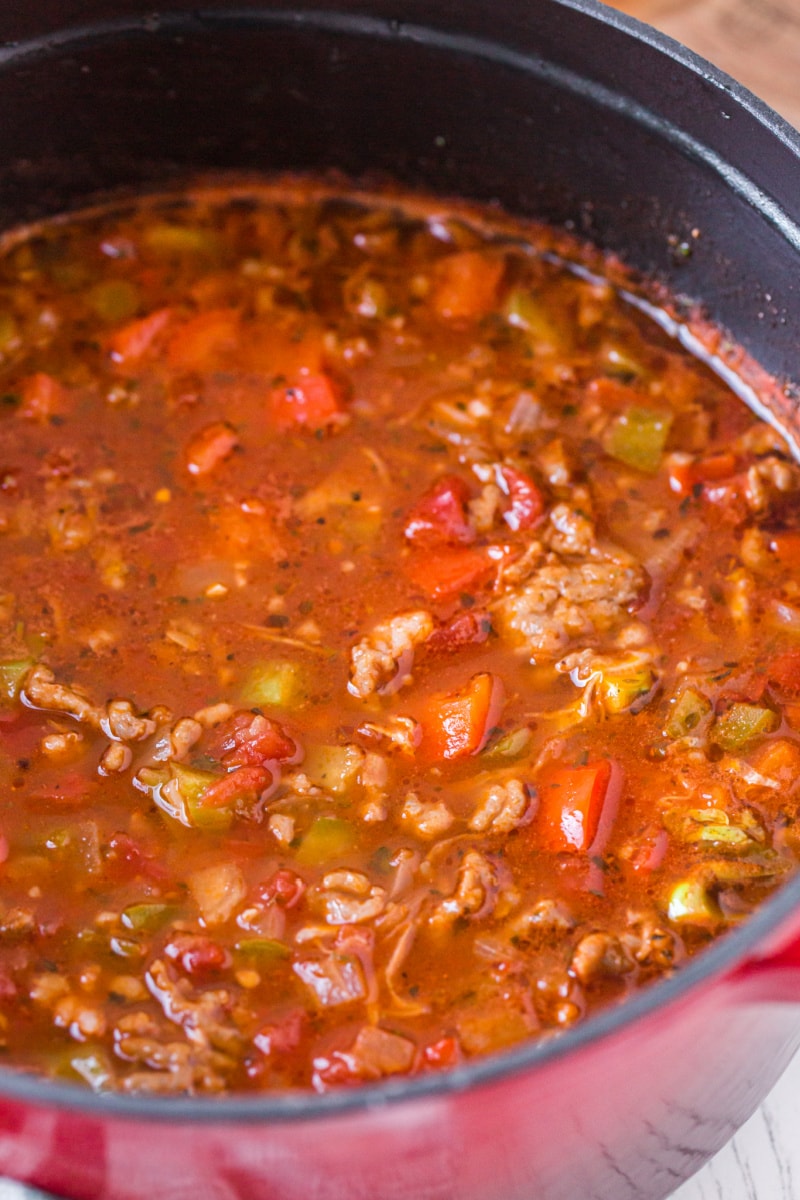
(560,109)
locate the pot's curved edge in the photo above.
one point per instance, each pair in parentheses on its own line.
(703,67)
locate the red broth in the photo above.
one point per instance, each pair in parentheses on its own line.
(400,645)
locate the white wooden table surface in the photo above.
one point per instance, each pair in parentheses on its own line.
(762,1162)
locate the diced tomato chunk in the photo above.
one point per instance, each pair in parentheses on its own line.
(284,888)
(611,393)
(784,672)
(334,1070)
(466,629)
(441,514)
(651,849)
(444,1053)
(449,571)
(727,500)
(132,341)
(274,351)
(779,759)
(309,400)
(245,783)
(460,723)
(571,801)
(251,739)
(210,447)
(71,787)
(199,343)
(466,285)
(198,955)
(124,857)
(526,508)
(42,396)
(284,1035)
(685,476)
(786,548)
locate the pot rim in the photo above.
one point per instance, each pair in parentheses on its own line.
(730,950)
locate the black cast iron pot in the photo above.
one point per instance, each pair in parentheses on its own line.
(553,108)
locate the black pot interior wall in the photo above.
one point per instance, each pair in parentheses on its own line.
(559,113)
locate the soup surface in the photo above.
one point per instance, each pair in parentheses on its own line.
(399,652)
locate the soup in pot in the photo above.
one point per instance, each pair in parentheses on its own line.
(399,643)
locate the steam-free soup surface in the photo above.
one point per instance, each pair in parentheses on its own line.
(399,646)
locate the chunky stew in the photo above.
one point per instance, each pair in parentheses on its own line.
(399,644)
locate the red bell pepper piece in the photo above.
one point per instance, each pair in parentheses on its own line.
(527,504)
(448,571)
(459,724)
(571,801)
(441,514)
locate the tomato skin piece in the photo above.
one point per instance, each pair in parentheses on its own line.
(526,509)
(571,801)
(441,513)
(466,285)
(309,400)
(458,724)
(241,782)
(449,571)
(251,739)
